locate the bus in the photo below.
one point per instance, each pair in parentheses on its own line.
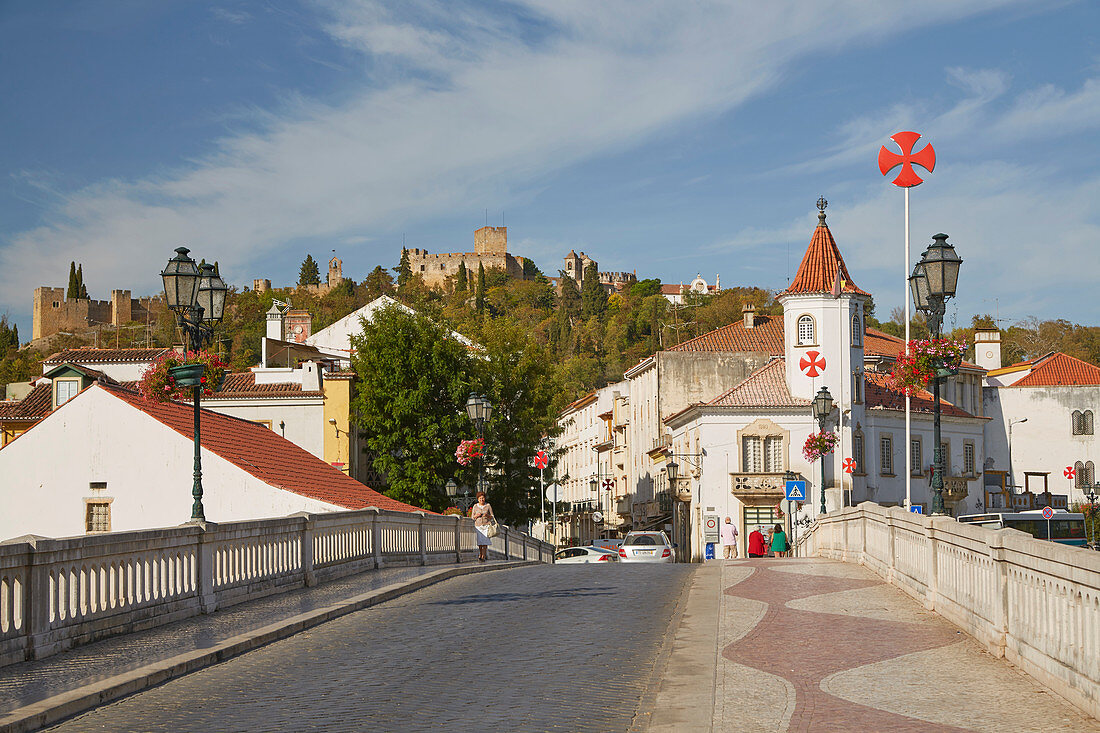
(1065,528)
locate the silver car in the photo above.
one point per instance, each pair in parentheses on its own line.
(646,547)
(571,555)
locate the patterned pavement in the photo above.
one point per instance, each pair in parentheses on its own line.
(815,645)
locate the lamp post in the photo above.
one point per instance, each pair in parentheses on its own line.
(822,406)
(932,284)
(197,297)
(466,501)
(479,410)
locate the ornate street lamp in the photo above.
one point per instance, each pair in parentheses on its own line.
(466,501)
(197,297)
(672,468)
(480,410)
(933,283)
(822,406)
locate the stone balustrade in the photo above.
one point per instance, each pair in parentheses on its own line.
(1034,602)
(57,593)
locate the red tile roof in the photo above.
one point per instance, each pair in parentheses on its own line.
(35,406)
(879,393)
(877,343)
(262,453)
(817,273)
(243,384)
(764,337)
(1059,370)
(766,387)
(671,289)
(94,356)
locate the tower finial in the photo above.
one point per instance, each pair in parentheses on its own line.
(821,204)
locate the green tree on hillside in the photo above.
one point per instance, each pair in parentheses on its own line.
(462,283)
(309,274)
(73,290)
(403,270)
(82,291)
(479,294)
(378,283)
(593,295)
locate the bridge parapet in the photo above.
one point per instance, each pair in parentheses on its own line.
(1033,602)
(57,593)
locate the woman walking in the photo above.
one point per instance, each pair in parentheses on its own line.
(482,515)
(779,541)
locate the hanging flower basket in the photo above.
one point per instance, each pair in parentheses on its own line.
(926,359)
(170,378)
(819,445)
(468,450)
(452,510)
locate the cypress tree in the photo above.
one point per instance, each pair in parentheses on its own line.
(82,292)
(480,294)
(463,282)
(593,296)
(309,274)
(403,269)
(73,291)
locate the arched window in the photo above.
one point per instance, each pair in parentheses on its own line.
(1090,474)
(857,331)
(1076,420)
(805,330)
(1079,475)
(1086,422)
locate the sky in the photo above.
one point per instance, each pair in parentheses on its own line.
(668,138)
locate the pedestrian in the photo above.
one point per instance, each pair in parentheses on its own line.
(779,541)
(757,548)
(482,514)
(729,540)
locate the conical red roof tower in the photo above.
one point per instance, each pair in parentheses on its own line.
(817,273)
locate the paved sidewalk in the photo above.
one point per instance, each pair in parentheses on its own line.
(817,645)
(38,692)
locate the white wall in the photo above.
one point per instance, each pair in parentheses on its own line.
(147,467)
(303,418)
(1046,441)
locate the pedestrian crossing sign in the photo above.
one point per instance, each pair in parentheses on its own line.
(796,490)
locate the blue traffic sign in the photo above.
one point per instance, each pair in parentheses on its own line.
(916,509)
(796,490)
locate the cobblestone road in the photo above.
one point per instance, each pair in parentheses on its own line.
(569,648)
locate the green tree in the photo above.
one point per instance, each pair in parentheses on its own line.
(414,378)
(593,295)
(403,270)
(570,303)
(462,284)
(309,274)
(646,288)
(73,291)
(480,292)
(82,291)
(378,283)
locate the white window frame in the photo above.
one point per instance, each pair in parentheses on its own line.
(89,502)
(886,455)
(858,453)
(57,384)
(970,458)
(857,330)
(812,339)
(916,456)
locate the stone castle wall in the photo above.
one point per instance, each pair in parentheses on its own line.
(52,313)
(490,250)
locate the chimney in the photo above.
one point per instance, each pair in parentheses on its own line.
(987,349)
(275,328)
(311,377)
(748,312)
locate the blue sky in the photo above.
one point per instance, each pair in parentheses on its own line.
(668,138)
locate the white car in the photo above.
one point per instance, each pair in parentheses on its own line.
(646,547)
(571,555)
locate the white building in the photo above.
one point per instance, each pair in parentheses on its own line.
(107,460)
(1042,422)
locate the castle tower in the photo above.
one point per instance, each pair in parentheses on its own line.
(335,272)
(823,319)
(491,241)
(574,268)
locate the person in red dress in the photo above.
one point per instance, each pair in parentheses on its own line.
(756,543)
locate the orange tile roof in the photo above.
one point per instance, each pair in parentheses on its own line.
(765,337)
(817,273)
(766,387)
(35,406)
(94,356)
(879,393)
(262,453)
(1060,370)
(243,384)
(877,343)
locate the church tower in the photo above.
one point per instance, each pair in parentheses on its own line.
(823,312)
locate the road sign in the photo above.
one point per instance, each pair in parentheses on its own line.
(917,509)
(1047,512)
(849,465)
(710,528)
(796,490)
(541,460)
(1070,472)
(553,493)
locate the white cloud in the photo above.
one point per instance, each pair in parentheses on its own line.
(476,106)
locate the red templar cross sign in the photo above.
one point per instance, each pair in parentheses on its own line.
(812,364)
(888,160)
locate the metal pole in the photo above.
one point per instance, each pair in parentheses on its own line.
(937,471)
(821,423)
(542,504)
(908,425)
(196,394)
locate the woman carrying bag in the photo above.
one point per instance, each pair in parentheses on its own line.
(485,524)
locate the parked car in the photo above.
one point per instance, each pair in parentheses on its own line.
(646,547)
(572,555)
